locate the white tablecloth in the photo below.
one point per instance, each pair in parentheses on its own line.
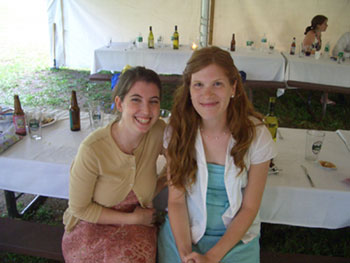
(319,71)
(42,167)
(257,64)
(289,197)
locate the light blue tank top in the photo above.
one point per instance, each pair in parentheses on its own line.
(217,200)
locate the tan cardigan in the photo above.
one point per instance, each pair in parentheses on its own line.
(102,175)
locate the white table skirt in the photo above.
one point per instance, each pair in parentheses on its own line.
(43,168)
(319,71)
(257,64)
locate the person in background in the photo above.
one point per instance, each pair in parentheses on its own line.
(313,41)
(113,179)
(218,153)
(313,33)
(343,45)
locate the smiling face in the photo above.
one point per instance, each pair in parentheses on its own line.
(211,92)
(140,107)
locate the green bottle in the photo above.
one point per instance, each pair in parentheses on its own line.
(150,38)
(175,39)
(271,119)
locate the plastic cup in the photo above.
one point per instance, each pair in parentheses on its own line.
(314,141)
(317,54)
(34,122)
(96,114)
(164,115)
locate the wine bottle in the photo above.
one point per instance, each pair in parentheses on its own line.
(292,47)
(271,119)
(233,43)
(175,39)
(18,117)
(150,38)
(74,113)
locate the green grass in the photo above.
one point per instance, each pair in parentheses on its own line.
(302,240)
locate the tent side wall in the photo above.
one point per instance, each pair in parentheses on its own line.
(84,25)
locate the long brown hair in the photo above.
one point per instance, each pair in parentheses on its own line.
(185,121)
(129,78)
(316,21)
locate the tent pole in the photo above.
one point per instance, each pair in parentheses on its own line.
(63,41)
(211,22)
(54,45)
(203,33)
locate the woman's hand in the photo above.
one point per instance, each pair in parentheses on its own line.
(144,216)
(195,257)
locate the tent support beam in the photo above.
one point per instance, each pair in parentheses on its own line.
(211,22)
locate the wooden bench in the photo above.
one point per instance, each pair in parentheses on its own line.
(29,238)
(271,257)
(35,239)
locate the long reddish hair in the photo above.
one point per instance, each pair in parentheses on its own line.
(185,121)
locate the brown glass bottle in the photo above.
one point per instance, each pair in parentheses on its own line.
(18,117)
(292,47)
(233,43)
(74,113)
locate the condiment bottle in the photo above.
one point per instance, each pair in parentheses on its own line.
(233,43)
(18,117)
(74,113)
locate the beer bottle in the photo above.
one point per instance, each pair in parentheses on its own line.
(233,43)
(74,113)
(271,119)
(175,39)
(18,118)
(292,47)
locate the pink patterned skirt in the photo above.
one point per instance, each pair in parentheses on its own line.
(97,243)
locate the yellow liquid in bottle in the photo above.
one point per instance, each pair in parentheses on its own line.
(271,119)
(176,39)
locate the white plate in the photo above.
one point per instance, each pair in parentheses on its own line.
(51,122)
(327,165)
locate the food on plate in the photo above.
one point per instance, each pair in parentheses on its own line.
(47,120)
(327,164)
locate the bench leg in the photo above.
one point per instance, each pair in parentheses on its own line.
(11,204)
(324,104)
(250,94)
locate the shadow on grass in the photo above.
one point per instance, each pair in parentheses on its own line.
(302,240)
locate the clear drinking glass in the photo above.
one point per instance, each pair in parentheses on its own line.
(96,114)
(34,122)
(314,141)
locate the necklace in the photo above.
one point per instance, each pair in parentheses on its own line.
(213,137)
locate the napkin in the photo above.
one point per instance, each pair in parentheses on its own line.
(8,138)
